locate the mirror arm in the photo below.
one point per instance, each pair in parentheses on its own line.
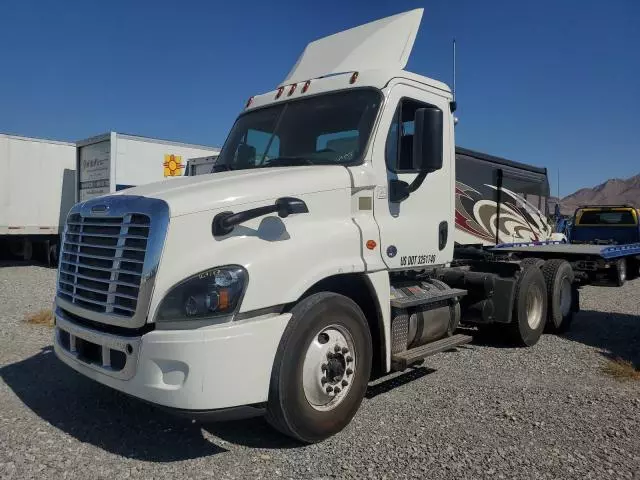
(417,182)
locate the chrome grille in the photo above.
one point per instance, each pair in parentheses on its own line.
(101,265)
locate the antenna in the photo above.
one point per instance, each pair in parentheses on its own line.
(453,105)
(454,69)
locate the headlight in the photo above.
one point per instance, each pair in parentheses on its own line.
(212,293)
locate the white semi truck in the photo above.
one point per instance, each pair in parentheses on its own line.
(36,192)
(320,254)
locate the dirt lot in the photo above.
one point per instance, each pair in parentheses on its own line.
(485,411)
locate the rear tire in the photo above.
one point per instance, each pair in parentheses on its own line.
(529,308)
(531,262)
(634,269)
(27,250)
(620,272)
(53,254)
(559,278)
(308,363)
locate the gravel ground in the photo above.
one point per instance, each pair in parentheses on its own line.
(482,412)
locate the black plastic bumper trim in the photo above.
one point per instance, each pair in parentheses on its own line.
(219,414)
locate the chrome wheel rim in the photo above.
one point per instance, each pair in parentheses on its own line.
(329,367)
(534,307)
(565,297)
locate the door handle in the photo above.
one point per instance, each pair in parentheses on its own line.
(443,234)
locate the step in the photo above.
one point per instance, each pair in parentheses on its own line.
(428,297)
(400,361)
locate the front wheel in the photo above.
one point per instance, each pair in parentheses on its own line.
(321,369)
(620,272)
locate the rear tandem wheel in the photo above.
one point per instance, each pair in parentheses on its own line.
(561,294)
(529,308)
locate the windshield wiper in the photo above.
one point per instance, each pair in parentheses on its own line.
(222,167)
(288,162)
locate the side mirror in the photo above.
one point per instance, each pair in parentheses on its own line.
(246,155)
(427,140)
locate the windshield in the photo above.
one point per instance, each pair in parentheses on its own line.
(607,217)
(328,129)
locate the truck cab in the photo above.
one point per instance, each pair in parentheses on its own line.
(318,255)
(606,225)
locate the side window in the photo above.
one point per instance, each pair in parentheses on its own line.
(399,146)
(256,147)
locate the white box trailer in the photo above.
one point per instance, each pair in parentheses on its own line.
(115,161)
(36,192)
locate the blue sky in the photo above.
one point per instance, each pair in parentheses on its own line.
(552,83)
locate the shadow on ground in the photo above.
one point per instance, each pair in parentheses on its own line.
(103,417)
(388,383)
(616,334)
(98,415)
(125,426)
(19,263)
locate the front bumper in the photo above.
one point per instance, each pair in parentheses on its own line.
(209,368)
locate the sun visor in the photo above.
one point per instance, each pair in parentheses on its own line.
(383,44)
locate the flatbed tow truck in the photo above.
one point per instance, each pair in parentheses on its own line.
(320,255)
(590,263)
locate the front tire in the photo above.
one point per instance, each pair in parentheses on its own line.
(620,272)
(321,369)
(529,308)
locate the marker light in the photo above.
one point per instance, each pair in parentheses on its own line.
(307,84)
(249,102)
(354,77)
(292,89)
(279,94)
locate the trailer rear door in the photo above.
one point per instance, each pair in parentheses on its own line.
(94,170)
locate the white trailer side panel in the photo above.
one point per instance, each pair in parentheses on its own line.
(36,185)
(141,161)
(114,161)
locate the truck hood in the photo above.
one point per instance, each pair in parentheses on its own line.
(225,189)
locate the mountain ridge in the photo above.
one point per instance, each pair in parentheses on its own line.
(615,191)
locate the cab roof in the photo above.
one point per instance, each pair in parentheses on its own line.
(381,45)
(370,55)
(343,81)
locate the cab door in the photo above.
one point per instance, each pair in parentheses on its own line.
(416,232)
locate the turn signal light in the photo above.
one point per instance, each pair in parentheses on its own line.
(223,299)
